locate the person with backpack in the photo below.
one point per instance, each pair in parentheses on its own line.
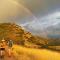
(10,44)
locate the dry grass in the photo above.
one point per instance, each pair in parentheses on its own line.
(22,53)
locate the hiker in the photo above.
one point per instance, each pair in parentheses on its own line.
(10,44)
(2,48)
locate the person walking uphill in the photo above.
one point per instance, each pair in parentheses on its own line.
(10,44)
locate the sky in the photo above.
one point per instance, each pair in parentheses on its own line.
(41,17)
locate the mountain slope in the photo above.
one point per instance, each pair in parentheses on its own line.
(19,35)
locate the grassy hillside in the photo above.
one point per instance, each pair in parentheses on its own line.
(23,53)
(18,35)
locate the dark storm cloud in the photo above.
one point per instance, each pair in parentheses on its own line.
(42,7)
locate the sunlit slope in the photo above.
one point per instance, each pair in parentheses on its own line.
(22,53)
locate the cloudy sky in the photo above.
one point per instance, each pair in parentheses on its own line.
(41,17)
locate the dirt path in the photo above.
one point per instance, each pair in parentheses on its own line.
(6,56)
